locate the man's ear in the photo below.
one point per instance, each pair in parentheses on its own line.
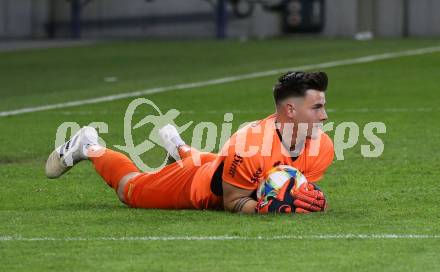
(290,108)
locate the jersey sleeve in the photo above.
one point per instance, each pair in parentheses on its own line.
(322,161)
(239,169)
(242,172)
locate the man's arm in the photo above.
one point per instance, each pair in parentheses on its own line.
(236,199)
(303,200)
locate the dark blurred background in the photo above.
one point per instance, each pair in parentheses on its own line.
(100,19)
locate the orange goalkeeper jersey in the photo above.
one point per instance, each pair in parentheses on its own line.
(249,154)
(252,151)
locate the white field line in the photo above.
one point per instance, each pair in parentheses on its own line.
(359,60)
(225,238)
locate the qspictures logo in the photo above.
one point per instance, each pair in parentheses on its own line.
(209,136)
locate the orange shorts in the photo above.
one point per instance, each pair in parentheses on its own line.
(175,186)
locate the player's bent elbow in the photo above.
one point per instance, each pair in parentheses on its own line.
(228,205)
(242,205)
(236,199)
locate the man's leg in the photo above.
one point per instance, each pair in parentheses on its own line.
(179,150)
(168,188)
(116,170)
(113,167)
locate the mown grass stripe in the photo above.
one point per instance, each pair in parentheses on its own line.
(184,86)
(225,237)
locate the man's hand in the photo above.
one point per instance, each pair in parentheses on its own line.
(309,198)
(281,203)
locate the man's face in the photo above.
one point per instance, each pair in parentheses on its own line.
(309,110)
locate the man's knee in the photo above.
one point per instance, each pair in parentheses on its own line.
(123,183)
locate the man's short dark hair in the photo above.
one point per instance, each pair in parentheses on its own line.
(295,84)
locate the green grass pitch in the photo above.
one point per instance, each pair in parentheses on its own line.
(73,218)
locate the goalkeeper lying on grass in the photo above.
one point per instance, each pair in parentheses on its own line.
(227,180)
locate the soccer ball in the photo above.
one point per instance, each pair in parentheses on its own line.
(276,178)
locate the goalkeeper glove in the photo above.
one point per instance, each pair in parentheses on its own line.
(309,198)
(281,203)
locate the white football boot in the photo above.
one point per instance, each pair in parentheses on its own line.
(71,152)
(171,140)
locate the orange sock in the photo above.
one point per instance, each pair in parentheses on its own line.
(185,151)
(112,166)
